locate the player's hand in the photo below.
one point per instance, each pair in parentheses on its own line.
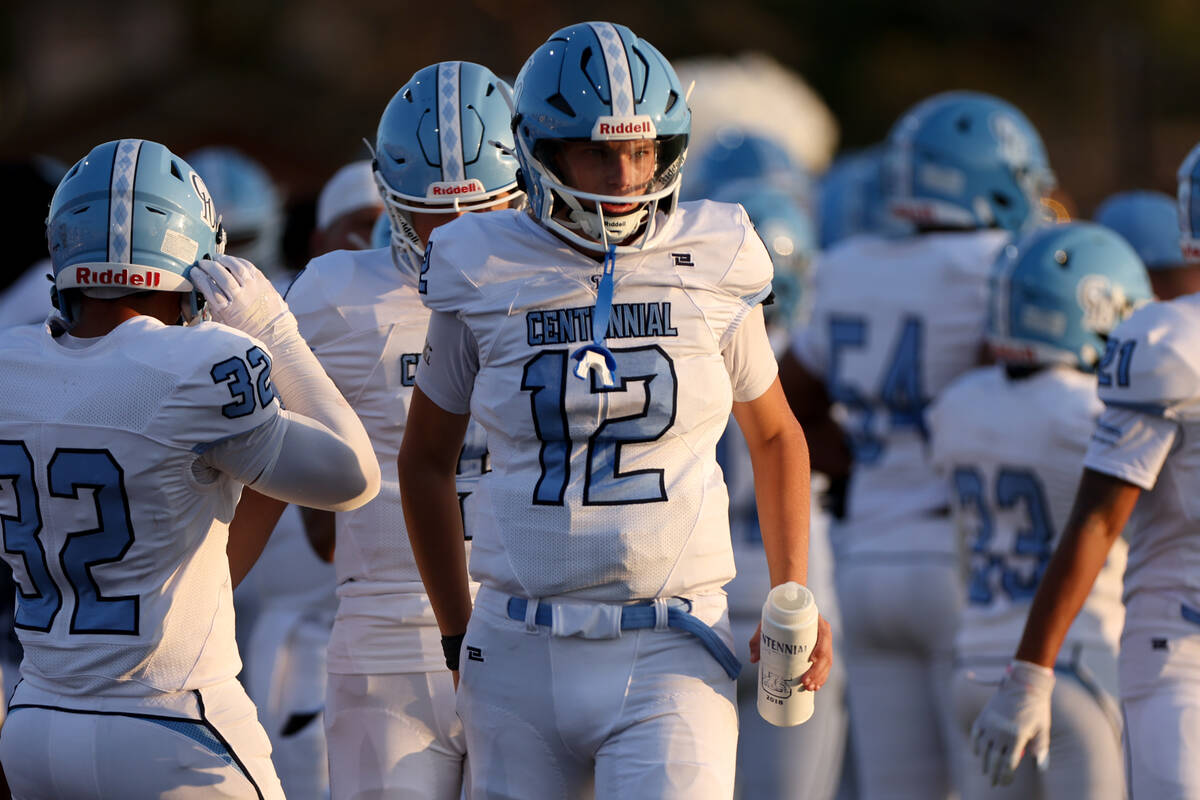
(821,658)
(454,677)
(1015,720)
(238,294)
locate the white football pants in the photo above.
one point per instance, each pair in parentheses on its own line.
(209,744)
(394,737)
(899,621)
(650,714)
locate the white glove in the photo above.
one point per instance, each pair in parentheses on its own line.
(239,295)
(1016,719)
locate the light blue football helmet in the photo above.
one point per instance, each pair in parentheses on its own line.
(599,82)
(787,229)
(966,160)
(737,154)
(850,199)
(251,205)
(444,145)
(1189,206)
(130,216)
(1149,221)
(1059,291)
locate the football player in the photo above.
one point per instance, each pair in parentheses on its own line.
(1139,477)
(1010,439)
(894,321)
(125,441)
(601,340)
(443,149)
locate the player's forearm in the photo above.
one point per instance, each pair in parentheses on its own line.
(1070,574)
(435,531)
(782,492)
(307,390)
(255,519)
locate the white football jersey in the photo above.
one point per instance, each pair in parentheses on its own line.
(893,322)
(363,318)
(114,527)
(609,494)
(1012,451)
(1149,435)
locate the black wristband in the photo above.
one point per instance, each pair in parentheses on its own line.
(451,647)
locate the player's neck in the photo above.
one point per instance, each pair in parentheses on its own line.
(100,317)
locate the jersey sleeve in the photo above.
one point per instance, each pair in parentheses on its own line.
(1130,445)
(447,368)
(225,392)
(749,358)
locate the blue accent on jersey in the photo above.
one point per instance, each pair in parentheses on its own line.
(233,372)
(901,390)
(1018,571)
(260,361)
(1058,292)
(1122,352)
(72,470)
(1149,221)
(38,598)
(69,471)
(545,378)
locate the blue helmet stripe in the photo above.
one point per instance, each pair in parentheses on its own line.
(450,121)
(616,60)
(120,201)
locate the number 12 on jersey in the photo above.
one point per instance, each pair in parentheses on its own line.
(546,376)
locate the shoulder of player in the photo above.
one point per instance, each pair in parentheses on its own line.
(340,276)
(1158,345)
(716,242)
(968,253)
(461,254)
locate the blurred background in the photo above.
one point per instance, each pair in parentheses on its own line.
(297,84)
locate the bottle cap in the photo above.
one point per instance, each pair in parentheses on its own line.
(791,604)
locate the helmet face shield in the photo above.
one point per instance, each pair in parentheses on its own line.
(596,87)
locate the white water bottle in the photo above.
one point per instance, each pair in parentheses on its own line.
(789,631)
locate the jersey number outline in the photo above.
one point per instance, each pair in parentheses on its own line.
(1122,353)
(1013,487)
(900,390)
(68,471)
(235,374)
(545,378)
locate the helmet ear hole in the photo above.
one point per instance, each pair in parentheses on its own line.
(1002,200)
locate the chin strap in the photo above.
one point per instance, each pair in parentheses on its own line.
(595,356)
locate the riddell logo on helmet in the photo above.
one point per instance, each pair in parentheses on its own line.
(86,276)
(442,189)
(610,128)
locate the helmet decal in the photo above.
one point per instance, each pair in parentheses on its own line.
(450,122)
(120,202)
(616,60)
